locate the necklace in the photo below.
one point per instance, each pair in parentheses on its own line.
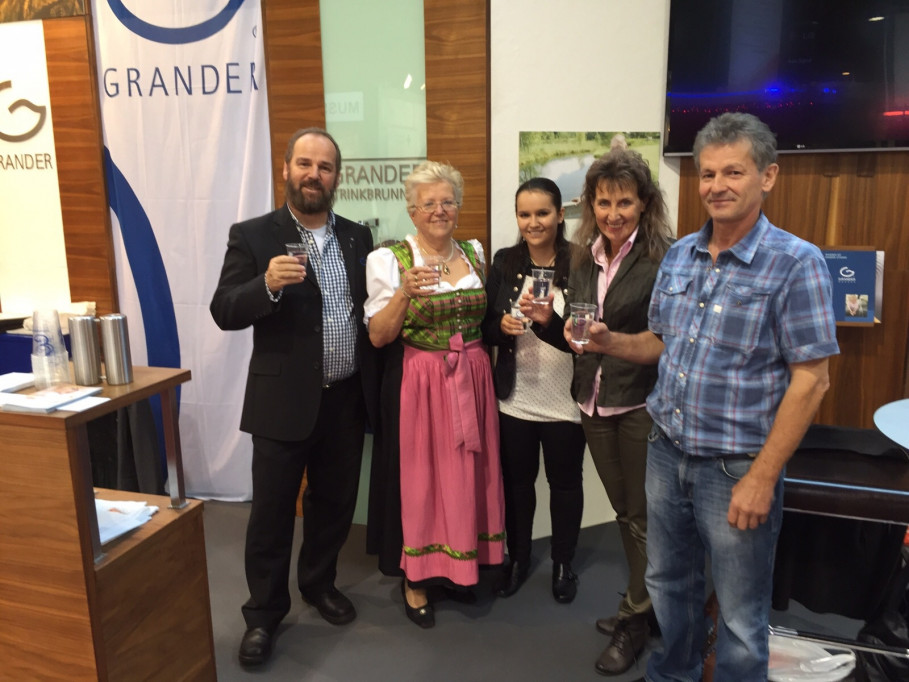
(540,265)
(443,262)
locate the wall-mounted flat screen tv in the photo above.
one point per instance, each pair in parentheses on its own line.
(825,75)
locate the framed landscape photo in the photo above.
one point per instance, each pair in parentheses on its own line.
(565,157)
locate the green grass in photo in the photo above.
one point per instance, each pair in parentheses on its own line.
(537,148)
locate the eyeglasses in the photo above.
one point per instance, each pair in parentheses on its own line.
(430,206)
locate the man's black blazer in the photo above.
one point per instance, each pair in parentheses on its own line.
(284,384)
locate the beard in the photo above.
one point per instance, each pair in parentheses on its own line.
(307,204)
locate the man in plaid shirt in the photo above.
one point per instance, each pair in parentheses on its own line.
(312,383)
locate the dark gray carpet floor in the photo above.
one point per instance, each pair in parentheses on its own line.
(526,637)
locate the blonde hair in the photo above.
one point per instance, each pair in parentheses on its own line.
(431,172)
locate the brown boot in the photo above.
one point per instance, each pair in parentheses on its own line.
(607,625)
(628,640)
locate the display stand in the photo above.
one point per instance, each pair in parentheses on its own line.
(140,608)
(852,486)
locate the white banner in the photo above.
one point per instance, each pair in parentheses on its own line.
(31,224)
(185,119)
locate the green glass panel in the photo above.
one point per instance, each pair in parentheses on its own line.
(375,106)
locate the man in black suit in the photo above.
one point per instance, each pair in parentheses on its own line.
(312,380)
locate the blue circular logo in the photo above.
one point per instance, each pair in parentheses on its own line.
(174,36)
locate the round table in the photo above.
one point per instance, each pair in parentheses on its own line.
(892,420)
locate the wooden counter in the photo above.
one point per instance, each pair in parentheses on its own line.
(139,607)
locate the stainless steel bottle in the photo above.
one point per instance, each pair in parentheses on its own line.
(86,349)
(118,363)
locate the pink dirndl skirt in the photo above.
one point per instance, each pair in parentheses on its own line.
(452,505)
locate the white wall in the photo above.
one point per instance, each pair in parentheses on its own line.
(591,65)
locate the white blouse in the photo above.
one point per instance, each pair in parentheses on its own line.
(383,278)
(543,374)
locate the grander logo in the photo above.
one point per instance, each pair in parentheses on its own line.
(41,111)
(847,275)
(185,79)
(179,35)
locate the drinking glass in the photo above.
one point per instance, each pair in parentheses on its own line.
(300,251)
(542,283)
(582,315)
(436,263)
(518,315)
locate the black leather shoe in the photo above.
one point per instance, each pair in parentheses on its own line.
(564,583)
(333,606)
(255,648)
(424,616)
(513,576)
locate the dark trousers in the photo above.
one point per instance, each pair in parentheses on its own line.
(563,459)
(331,457)
(618,445)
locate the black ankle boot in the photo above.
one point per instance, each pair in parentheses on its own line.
(564,583)
(514,574)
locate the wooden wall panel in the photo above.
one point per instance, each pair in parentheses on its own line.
(77,135)
(293,62)
(457,102)
(845,199)
(296,93)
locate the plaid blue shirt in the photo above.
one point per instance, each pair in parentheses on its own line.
(339,328)
(731,329)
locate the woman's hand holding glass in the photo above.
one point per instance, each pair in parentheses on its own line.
(535,310)
(597,341)
(420,280)
(516,323)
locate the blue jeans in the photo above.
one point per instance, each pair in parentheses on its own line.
(687,503)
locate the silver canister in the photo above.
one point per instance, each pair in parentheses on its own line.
(115,341)
(86,348)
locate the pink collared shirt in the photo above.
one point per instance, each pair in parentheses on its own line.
(607,274)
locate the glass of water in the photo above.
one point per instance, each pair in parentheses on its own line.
(582,316)
(518,315)
(300,251)
(436,263)
(542,284)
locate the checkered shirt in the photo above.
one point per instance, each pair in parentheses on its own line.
(339,329)
(731,329)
